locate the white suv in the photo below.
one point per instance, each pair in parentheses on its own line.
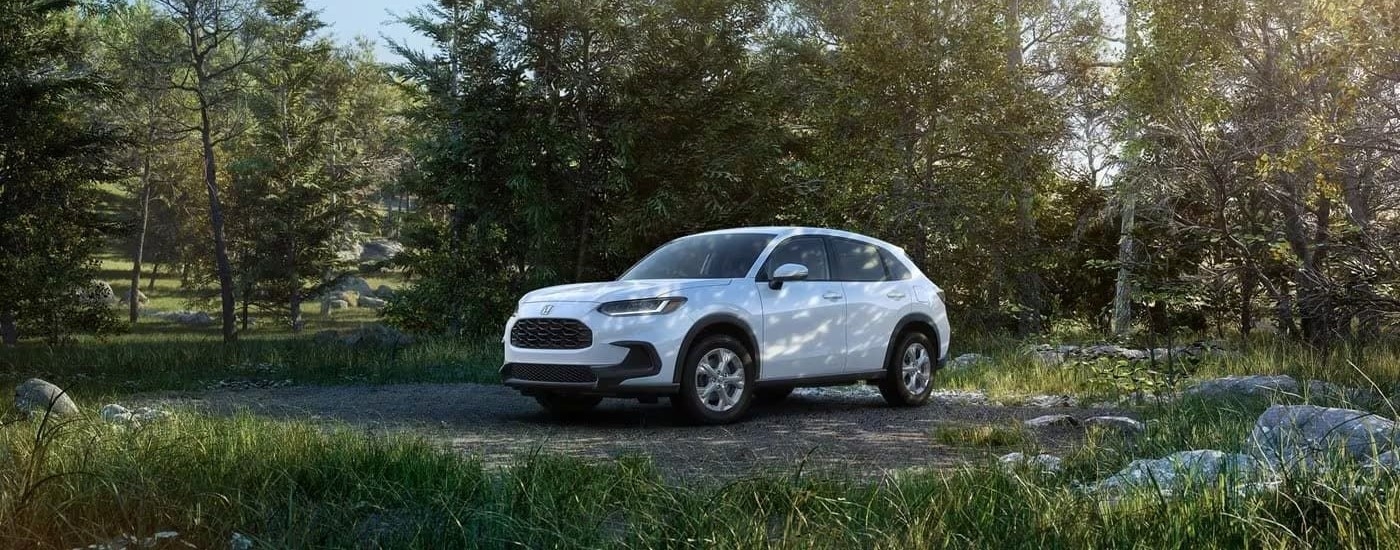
(718,319)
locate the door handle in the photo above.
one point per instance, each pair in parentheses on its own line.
(831,296)
(896,295)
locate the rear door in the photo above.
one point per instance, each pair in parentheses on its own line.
(804,322)
(875,300)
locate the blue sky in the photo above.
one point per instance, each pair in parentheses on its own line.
(373,19)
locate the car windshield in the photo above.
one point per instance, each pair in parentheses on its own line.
(721,256)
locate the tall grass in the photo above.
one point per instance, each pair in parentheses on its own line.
(140,364)
(294,485)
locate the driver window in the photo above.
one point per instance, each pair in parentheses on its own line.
(808,251)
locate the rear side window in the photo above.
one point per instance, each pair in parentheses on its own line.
(856,261)
(808,251)
(896,269)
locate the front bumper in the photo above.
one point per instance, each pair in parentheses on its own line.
(641,361)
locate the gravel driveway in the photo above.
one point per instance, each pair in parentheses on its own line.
(847,429)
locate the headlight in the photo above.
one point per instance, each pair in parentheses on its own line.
(649,306)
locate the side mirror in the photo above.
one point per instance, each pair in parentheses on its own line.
(785,273)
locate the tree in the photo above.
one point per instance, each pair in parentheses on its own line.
(213,58)
(299,185)
(136,47)
(51,157)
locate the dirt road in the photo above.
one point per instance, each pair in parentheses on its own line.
(849,429)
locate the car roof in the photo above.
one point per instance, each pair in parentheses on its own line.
(788,231)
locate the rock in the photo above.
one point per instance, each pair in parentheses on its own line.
(97,293)
(1178,470)
(1101,350)
(348,282)
(1120,423)
(385,293)
(117,414)
(960,397)
(183,317)
(1050,401)
(1052,420)
(1388,460)
(1043,463)
(1049,358)
(1159,354)
(350,297)
(372,302)
(141,298)
(967,360)
(37,398)
(240,541)
(1244,385)
(334,305)
(1256,488)
(376,335)
(351,253)
(1290,436)
(1132,354)
(379,250)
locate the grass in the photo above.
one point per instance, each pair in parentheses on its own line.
(991,435)
(304,484)
(298,485)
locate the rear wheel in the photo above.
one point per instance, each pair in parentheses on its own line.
(561,404)
(908,377)
(717,383)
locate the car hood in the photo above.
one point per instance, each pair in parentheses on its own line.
(612,291)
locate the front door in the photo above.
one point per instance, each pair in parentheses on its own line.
(804,322)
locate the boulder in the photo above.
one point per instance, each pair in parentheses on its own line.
(1053,420)
(1120,423)
(349,282)
(371,302)
(333,305)
(1132,354)
(379,250)
(349,297)
(1043,463)
(117,414)
(35,397)
(385,293)
(141,298)
(350,254)
(1177,470)
(1252,385)
(1048,358)
(184,317)
(1291,436)
(967,360)
(98,293)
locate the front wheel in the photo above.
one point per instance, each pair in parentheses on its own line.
(564,405)
(717,383)
(908,377)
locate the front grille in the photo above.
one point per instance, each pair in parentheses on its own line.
(551,373)
(550,334)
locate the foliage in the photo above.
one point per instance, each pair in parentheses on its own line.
(51,159)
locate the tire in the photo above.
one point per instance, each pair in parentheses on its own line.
(772,396)
(908,380)
(706,399)
(563,404)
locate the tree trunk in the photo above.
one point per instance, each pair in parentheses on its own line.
(134,303)
(1247,286)
(1027,278)
(216,222)
(1123,288)
(9,332)
(151,284)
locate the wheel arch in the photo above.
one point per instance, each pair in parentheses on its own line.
(917,322)
(718,323)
